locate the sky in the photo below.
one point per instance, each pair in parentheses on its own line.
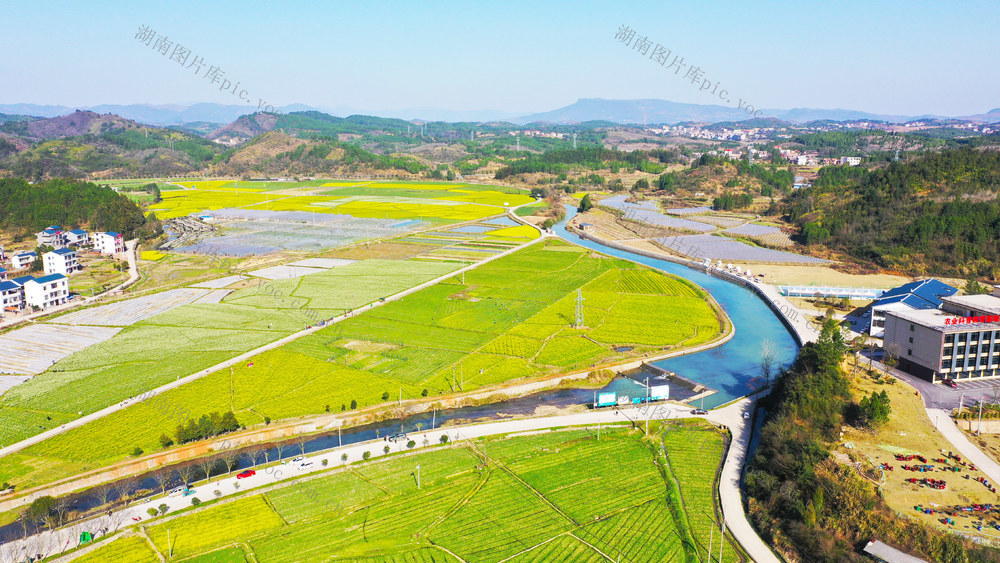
(907,57)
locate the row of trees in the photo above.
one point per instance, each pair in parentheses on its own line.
(207,426)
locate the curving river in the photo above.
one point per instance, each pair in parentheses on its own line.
(731,369)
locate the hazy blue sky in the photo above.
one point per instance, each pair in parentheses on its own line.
(905,57)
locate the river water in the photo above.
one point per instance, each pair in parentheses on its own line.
(732,369)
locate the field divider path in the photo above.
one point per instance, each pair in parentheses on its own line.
(249,355)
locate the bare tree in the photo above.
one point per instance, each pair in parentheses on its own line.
(24,520)
(231,458)
(186,473)
(768,353)
(62,507)
(124,488)
(163,479)
(103,492)
(255,454)
(280,446)
(206,464)
(300,441)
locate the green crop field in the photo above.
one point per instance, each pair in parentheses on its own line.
(551,496)
(509,319)
(176,344)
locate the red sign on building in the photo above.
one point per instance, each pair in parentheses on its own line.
(971,320)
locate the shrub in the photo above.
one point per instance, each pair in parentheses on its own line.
(385,396)
(324,462)
(386,449)
(195,501)
(166,441)
(267,420)
(366,456)
(137,452)
(163,508)
(217,493)
(354,404)
(444,438)
(152,512)
(424,393)
(411,444)
(343,458)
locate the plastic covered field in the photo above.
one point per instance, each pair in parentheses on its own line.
(250,232)
(646,212)
(720,248)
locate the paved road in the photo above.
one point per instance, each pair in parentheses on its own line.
(247,356)
(941,396)
(730,492)
(51,543)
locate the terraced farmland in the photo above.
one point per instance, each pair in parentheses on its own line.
(554,496)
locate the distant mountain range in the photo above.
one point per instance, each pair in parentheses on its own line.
(663,111)
(650,111)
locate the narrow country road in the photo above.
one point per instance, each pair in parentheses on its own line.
(17,446)
(49,543)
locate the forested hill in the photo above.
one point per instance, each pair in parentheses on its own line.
(28,208)
(937,214)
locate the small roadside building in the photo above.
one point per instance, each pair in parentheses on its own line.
(11,296)
(77,237)
(46,291)
(52,236)
(60,261)
(22,260)
(109,242)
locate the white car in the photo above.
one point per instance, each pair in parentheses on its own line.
(298,459)
(176,492)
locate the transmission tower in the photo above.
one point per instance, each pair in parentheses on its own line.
(579,309)
(574,140)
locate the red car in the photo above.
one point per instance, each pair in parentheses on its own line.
(950,383)
(247,473)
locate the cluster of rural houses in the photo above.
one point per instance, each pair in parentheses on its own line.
(812,158)
(52,289)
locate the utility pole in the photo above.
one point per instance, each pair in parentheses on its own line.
(961,402)
(170,548)
(418,477)
(711,538)
(400,396)
(340,443)
(722,542)
(434,417)
(979,428)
